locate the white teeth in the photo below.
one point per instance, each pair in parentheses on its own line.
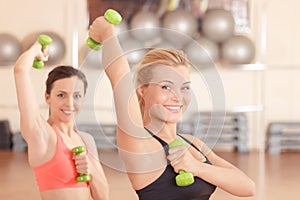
(173,107)
(68,111)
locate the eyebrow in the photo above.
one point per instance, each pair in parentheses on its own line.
(61,91)
(188,82)
(67,92)
(166,81)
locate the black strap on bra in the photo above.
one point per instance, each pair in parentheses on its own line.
(163,143)
(191,144)
(166,146)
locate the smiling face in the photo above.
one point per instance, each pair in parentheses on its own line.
(167,95)
(65,99)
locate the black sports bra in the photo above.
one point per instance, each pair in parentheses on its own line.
(165,188)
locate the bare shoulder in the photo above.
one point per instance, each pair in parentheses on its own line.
(198,143)
(89,141)
(86,136)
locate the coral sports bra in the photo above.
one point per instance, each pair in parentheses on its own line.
(60,171)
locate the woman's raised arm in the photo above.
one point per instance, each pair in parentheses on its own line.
(31,121)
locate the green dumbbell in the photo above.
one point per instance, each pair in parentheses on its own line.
(183,178)
(112,17)
(82,177)
(44,40)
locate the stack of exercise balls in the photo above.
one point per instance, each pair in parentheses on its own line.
(218,26)
(212,41)
(215,41)
(11,47)
(56,50)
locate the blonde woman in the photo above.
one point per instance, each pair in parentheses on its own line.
(147,116)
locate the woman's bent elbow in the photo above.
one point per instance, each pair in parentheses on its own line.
(251,189)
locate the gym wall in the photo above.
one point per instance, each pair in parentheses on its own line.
(280,91)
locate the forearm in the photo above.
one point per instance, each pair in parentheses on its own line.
(114,61)
(126,102)
(99,189)
(98,184)
(27,101)
(231,180)
(25,61)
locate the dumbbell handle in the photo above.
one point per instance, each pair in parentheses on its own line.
(44,40)
(183,178)
(112,17)
(82,177)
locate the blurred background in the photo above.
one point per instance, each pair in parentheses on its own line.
(249,46)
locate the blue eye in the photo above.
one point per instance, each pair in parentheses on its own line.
(185,88)
(165,87)
(77,96)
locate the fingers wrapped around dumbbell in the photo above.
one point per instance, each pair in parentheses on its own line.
(104,29)
(41,57)
(100,30)
(176,152)
(82,164)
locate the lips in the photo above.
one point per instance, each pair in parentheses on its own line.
(68,112)
(174,108)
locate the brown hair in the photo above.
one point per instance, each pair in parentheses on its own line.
(61,72)
(154,57)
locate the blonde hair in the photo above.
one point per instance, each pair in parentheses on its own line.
(154,57)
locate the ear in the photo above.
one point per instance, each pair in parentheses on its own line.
(47,98)
(141,90)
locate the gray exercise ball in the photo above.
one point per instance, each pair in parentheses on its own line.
(165,44)
(92,59)
(134,50)
(121,30)
(239,49)
(218,25)
(10,49)
(202,52)
(183,24)
(146,25)
(56,49)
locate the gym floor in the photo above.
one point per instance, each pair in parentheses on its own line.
(276,176)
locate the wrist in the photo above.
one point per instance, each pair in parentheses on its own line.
(109,33)
(200,169)
(24,62)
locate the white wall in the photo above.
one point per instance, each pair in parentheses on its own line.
(280,81)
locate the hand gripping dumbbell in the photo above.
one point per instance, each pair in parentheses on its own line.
(82,177)
(112,17)
(183,178)
(44,40)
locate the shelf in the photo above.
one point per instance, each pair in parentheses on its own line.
(247,67)
(240,109)
(247,108)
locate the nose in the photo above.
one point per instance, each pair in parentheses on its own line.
(70,102)
(176,95)
(181,96)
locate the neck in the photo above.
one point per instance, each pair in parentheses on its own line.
(165,131)
(62,127)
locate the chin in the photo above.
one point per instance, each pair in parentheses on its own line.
(173,120)
(67,119)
